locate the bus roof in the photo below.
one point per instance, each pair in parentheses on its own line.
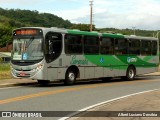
(140,37)
(94,33)
(112,35)
(78,32)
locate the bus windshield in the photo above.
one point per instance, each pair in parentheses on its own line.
(27,49)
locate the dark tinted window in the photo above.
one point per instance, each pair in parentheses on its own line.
(91,45)
(134,47)
(121,46)
(73,44)
(154,48)
(145,47)
(107,45)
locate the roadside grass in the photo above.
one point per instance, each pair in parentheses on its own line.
(4,71)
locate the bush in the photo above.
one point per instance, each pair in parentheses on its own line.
(4,67)
(4,71)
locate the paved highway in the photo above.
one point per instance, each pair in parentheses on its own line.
(57,97)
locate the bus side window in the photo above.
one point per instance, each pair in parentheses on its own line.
(145,47)
(73,44)
(134,47)
(154,48)
(121,46)
(91,45)
(107,45)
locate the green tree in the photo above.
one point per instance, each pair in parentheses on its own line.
(5,35)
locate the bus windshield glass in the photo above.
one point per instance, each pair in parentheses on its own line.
(27,49)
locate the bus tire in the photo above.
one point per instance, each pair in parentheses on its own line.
(70,77)
(43,82)
(130,74)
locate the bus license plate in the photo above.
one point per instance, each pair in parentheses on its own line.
(22,74)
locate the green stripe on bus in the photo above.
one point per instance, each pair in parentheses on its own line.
(77,32)
(119,60)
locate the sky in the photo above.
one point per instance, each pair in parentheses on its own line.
(121,14)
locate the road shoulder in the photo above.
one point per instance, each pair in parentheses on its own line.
(120,109)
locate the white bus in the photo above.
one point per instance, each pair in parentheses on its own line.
(48,54)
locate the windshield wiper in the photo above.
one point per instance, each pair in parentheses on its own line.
(30,41)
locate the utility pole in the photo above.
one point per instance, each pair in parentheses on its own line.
(91,15)
(134,30)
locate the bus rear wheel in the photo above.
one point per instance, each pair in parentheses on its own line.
(70,77)
(131,72)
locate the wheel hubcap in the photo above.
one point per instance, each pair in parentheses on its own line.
(71,76)
(131,73)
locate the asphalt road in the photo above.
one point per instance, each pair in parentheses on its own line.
(57,97)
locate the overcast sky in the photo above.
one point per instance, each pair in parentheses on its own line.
(142,14)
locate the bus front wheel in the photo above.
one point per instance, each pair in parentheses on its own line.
(70,77)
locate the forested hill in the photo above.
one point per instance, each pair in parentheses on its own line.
(19,18)
(14,18)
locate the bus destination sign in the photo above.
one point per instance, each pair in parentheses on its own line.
(26,32)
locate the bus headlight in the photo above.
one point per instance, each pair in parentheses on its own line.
(38,68)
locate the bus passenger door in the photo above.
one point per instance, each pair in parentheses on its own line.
(53,49)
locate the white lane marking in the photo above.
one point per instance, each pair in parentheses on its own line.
(96,105)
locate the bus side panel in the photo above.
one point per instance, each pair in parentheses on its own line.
(82,72)
(150,65)
(106,72)
(56,69)
(123,70)
(89,72)
(98,72)
(144,70)
(113,71)
(52,73)
(61,73)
